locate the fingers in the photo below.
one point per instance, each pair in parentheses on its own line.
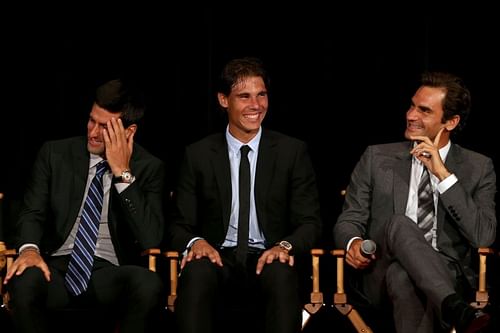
(355,258)
(45,271)
(202,251)
(438,137)
(271,255)
(25,260)
(118,147)
(114,134)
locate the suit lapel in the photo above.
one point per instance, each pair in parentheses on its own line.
(80,163)
(221,166)
(264,172)
(402,172)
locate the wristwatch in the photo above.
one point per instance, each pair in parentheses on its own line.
(285,245)
(125,177)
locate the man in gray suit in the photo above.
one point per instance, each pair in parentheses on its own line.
(423,274)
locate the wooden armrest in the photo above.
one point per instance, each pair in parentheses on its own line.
(482,296)
(340,298)
(316,296)
(152,254)
(6,260)
(173,257)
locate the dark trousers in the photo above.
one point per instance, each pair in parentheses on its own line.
(234,299)
(132,293)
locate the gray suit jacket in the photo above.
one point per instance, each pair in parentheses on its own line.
(379,188)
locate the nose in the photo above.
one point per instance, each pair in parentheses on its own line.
(254,103)
(95,130)
(412,113)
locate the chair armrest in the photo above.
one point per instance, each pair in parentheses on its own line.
(340,298)
(152,254)
(173,258)
(482,296)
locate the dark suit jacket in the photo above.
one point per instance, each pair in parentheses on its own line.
(379,189)
(55,193)
(286,195)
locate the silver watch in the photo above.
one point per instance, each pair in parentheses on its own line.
(285,245)
(125,177)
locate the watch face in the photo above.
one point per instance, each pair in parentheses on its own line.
(286,245)
(126,176)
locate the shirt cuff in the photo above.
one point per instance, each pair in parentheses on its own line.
(188,247)
(446,183)
(350,242)
(120,187)
(27,246)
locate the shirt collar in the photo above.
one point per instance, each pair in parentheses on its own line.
(234,144)
(94,160)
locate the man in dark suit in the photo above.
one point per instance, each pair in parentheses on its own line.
(284,217)
(424,272)
(130,221)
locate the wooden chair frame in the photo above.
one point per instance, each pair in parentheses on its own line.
(340,298)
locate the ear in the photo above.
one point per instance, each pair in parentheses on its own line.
(222,100)
(132,129)
(450,124)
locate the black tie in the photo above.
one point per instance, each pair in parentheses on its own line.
(425,212)
(243,217)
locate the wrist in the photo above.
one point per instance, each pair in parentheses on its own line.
(29,249)
(285,245)
(124,177)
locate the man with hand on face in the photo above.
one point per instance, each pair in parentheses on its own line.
(428,204)
(92,205)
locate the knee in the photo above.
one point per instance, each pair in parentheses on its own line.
(199,275)
(150,290)
(27,287)
(278,276)
(399,229)
(399,283)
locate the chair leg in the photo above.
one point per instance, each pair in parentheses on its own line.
(173,257)
(316,296)
(340,298)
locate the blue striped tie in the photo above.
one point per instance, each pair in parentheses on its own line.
(82,256)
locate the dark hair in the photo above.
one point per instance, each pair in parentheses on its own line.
(457,100)
(237,69)
(121,96)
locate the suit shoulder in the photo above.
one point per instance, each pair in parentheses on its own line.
(470,154)
(143,153)
(64,144)
(389,148)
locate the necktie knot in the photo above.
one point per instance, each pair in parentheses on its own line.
(244,150)
(101,168)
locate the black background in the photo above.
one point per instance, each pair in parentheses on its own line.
(341,79)
(342,76)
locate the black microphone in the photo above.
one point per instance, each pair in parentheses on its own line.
(368,247)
